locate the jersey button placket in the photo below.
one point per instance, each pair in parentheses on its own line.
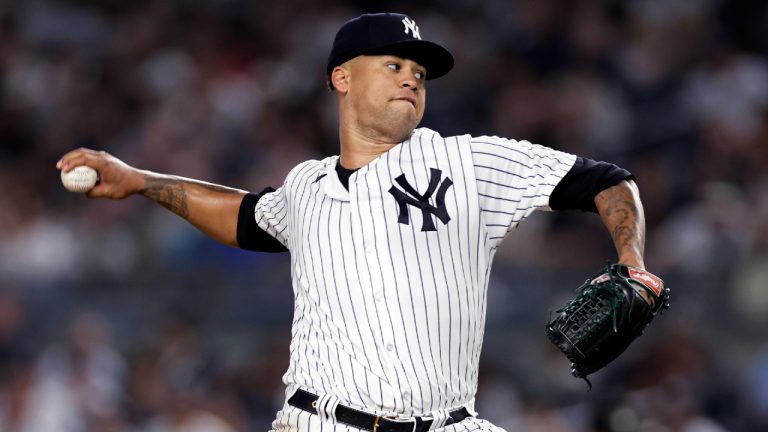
(367,257)
(386,326)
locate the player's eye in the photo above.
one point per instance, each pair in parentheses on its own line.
(420,75)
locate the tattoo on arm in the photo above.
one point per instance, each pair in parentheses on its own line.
(622,214)
(168,192)
(171,192)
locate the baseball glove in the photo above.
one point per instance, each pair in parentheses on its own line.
(608,313)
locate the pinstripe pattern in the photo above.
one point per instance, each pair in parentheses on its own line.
(514,178)
(388,317)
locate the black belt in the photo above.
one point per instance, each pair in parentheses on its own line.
(362,420)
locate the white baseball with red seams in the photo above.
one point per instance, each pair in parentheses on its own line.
(80,179)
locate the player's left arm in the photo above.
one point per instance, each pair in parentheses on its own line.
(622,213)
(610,191)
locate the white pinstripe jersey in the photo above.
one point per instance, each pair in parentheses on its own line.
(390,308)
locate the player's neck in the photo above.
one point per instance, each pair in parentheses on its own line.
(359,149)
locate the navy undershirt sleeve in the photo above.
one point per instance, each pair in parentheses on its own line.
(250,236)
(587,178)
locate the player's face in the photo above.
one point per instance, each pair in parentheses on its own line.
(388,93)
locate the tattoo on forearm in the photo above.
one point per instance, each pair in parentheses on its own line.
(624,220)
(624,214)
(168,192)
(172,192)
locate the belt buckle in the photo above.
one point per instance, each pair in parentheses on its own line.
(394,418)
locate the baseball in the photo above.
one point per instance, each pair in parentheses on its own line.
(80,179)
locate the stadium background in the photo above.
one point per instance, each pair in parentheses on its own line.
(119,316)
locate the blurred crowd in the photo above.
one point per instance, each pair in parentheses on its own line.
(117,316)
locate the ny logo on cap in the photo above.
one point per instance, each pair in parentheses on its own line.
(411,25)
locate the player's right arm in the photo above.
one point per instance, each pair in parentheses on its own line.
(213,209)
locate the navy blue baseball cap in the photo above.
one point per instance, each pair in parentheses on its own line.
(390,34)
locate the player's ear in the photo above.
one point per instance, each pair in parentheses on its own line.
(340,79)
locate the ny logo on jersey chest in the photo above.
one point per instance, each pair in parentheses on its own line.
(409,196)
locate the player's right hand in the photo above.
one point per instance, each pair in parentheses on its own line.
(117,180)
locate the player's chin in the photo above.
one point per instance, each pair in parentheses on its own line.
(397,131)
(408,125)
(399,120)
(408,107)
(410,115)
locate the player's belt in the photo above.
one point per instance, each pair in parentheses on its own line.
(307,401)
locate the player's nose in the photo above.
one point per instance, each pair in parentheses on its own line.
(410,76)
(410,81)
(411,84)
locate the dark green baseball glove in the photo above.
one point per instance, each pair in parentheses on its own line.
(610,311)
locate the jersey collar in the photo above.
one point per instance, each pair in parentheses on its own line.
(331,183)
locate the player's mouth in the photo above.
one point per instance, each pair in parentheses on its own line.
(409,99)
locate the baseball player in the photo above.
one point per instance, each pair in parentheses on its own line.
(392,240)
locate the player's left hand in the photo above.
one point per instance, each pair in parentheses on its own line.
(609,312)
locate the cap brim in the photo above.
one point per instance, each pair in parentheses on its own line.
(437,60)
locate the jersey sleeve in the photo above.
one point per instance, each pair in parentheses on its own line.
(250,236)
(274,208)
(514,178)
(271,215)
